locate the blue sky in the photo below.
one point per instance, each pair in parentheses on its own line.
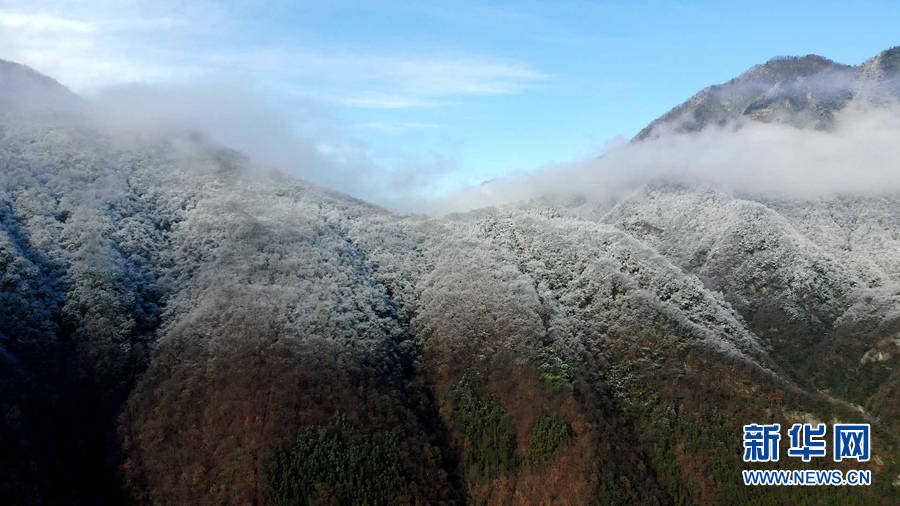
(454,92)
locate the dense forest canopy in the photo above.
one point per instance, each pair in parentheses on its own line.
(179,325)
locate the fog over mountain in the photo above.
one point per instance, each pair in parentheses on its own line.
(182,323)
(312,144)
(812,115)
(789,127)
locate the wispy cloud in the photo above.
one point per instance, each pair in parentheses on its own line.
(379,101)
(395,126)
(477,76)
(89,46)
(383,81)
(43,23)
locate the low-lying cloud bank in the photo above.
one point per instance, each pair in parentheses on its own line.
(306,143)
(860,156)
(300,138)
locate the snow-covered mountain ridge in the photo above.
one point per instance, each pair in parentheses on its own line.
(217,333)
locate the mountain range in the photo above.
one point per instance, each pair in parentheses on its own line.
(179,325)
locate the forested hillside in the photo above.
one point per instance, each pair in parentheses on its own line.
(181,326)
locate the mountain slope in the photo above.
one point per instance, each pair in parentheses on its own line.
(211,332)
(24,89)
(795,282)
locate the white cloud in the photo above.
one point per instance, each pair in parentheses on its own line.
(37,24)
(238,118)
(87,46)
(380,101)
(384,81)
(395,126)
(860,156)
(462,76)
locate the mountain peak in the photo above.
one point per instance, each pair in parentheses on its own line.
(785,67)
(803,91)
(885,63)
